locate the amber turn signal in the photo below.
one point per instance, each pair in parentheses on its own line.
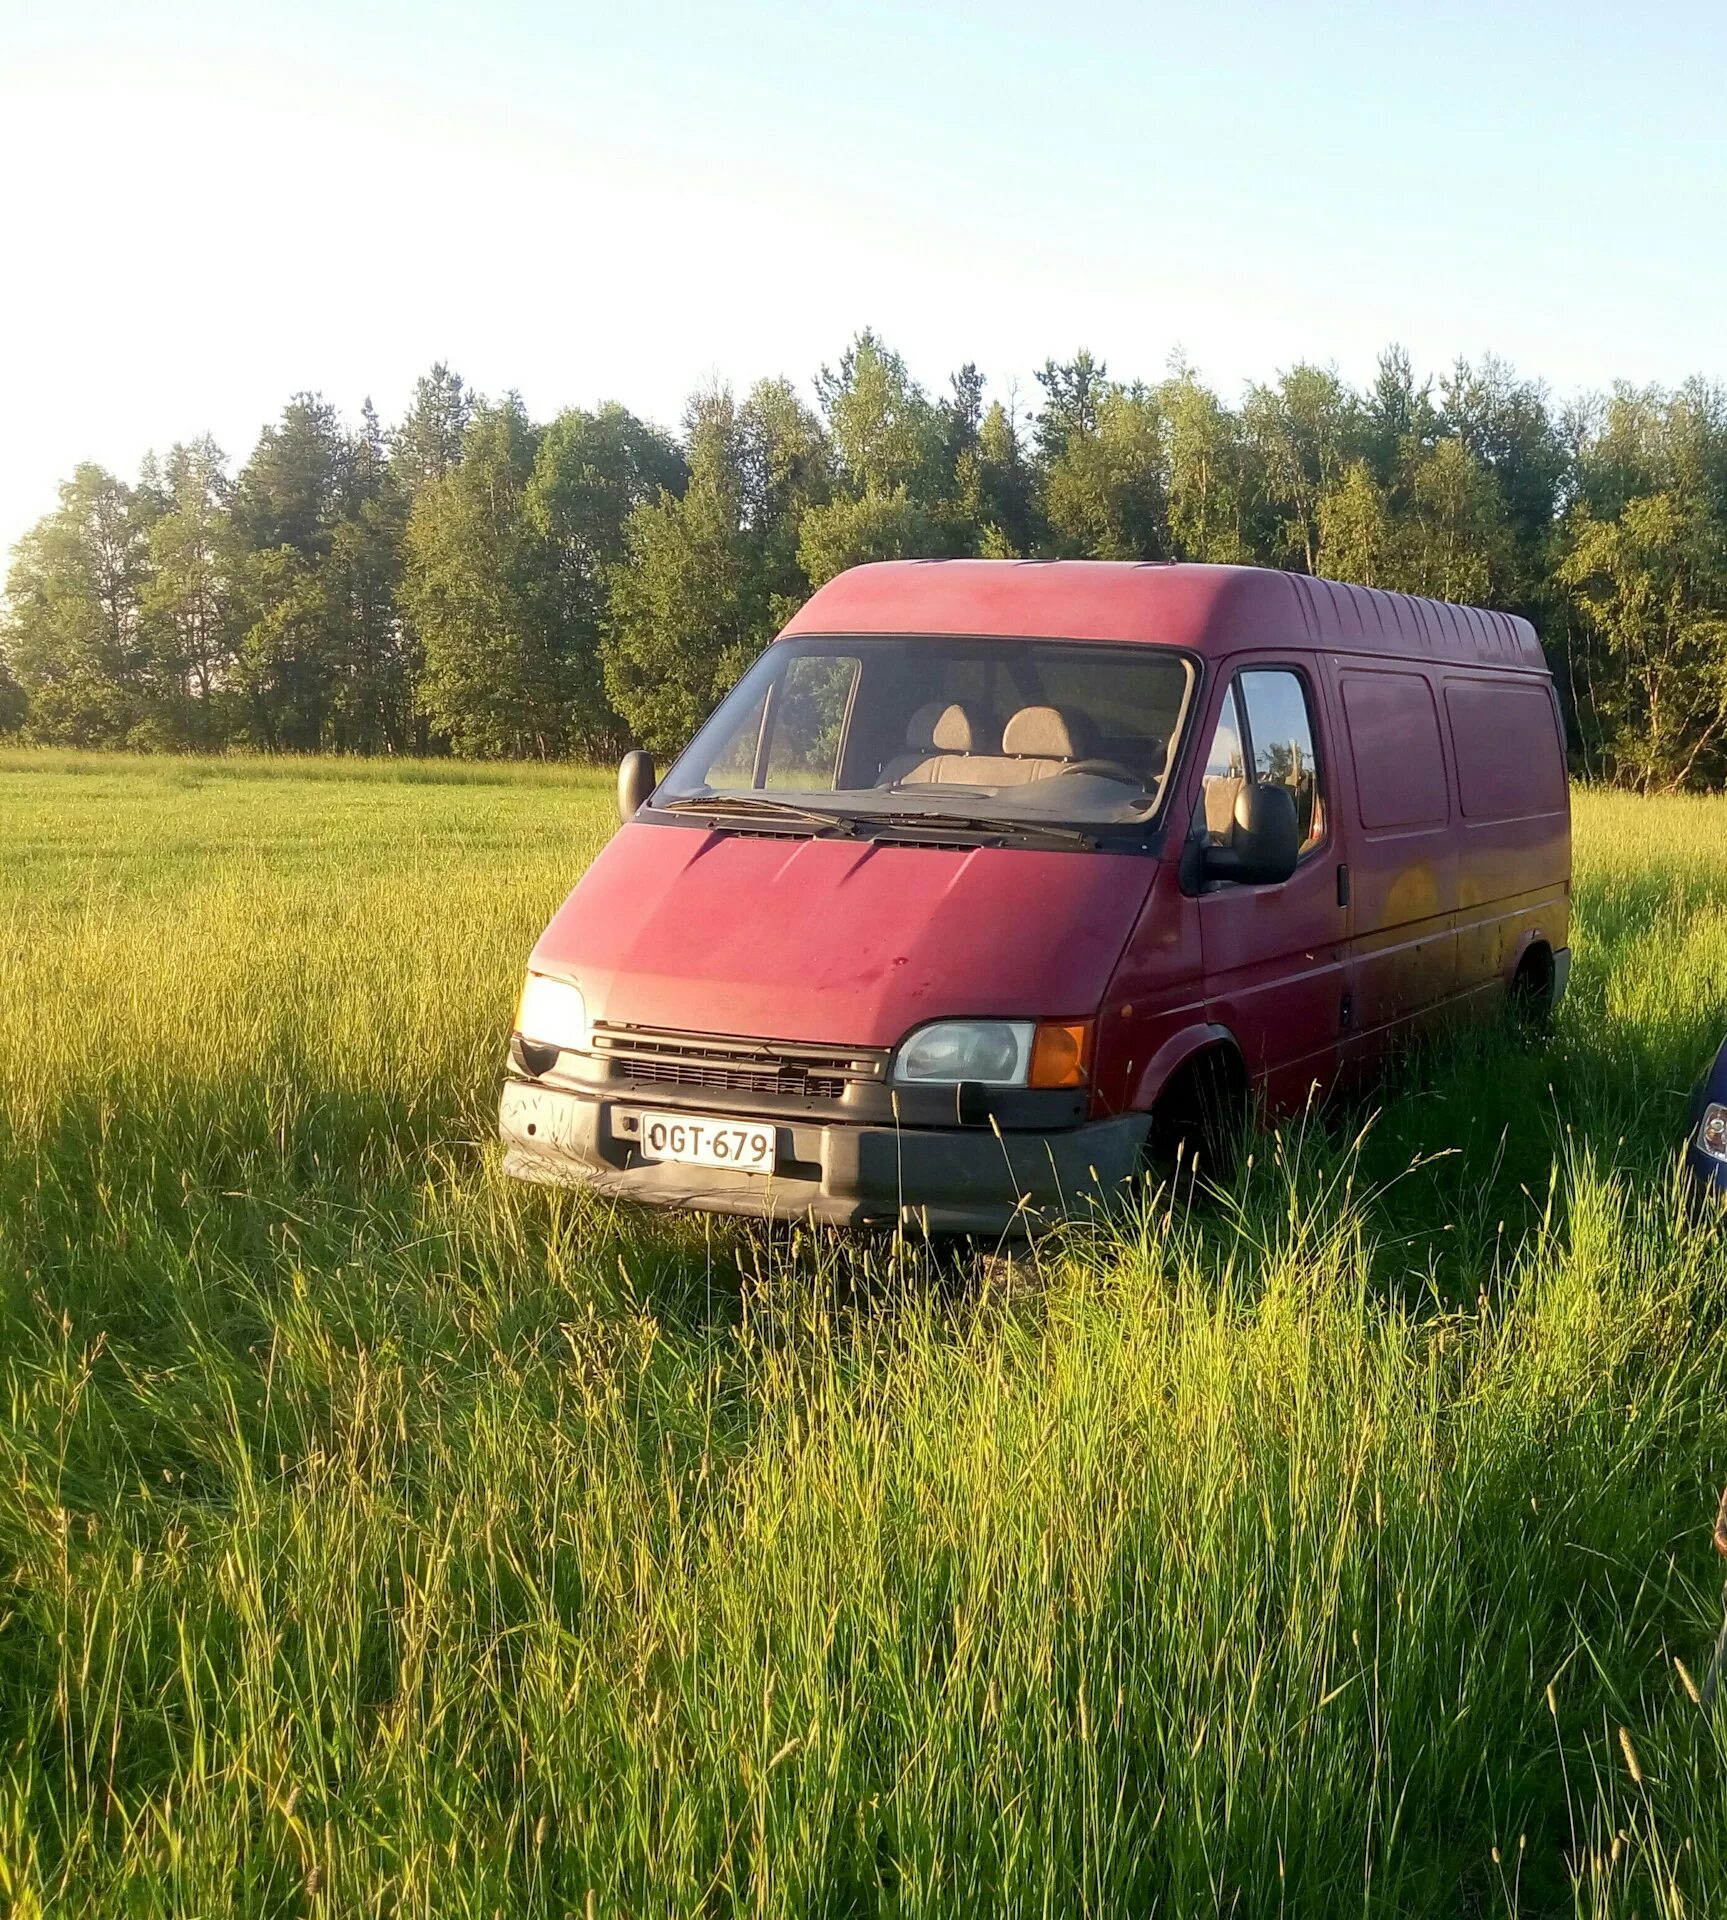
(1060,1053)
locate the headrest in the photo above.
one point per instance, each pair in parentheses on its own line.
(1043,732)
(941,726)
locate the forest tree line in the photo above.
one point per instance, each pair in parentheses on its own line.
(472,581)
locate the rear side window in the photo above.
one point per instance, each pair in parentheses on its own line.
(1506,743)
(1394,737)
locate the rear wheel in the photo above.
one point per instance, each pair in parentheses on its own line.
(1530,999)
(1198,1122)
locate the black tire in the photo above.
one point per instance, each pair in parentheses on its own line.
(1530,998)
(1198,1122)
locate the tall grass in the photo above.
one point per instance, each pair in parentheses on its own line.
(377,1536)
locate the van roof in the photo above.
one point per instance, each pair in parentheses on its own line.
(1207,609)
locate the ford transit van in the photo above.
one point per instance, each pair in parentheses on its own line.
(992,881)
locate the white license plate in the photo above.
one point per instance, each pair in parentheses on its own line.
(746,1146)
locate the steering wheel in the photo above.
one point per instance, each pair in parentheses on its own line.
(1109,770)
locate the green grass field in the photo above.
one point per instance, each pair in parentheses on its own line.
(378,1537)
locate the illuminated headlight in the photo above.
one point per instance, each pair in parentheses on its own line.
(996,1053)
(553,1013)
(1712,1131)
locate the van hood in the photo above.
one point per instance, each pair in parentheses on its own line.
(848,942)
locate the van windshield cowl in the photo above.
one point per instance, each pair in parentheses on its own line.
(1033,738)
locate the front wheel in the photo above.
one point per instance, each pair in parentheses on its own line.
(1199,1120)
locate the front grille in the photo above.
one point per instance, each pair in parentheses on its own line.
(690,1073)
(652,1057)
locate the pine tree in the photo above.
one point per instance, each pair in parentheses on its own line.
(691,605)
(886,435)
(1072,390)
(481,584)
(888,453)
(428,443)
(1006,511)
(1398,420)
(1103,488)
(289,491)
(1209,483)
(286,509)
(786,468)
(591,472)
(190,603)
(371,707)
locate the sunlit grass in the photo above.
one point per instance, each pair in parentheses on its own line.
(379,1536)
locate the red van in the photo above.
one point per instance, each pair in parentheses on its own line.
(990,879)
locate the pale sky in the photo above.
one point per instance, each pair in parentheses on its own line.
(206,207)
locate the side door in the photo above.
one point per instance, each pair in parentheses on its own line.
(1513,826)
(1274,956)
(1404,873)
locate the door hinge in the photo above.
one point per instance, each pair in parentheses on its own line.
(1345,1011)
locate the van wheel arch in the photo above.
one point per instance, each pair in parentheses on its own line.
(1200,1110)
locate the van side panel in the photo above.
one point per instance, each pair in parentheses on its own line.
(1515,822)
(1404,884)
(1508,760)
(1155,999)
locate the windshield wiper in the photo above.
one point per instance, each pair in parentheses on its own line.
(745,806)
(967,823)
(756,806)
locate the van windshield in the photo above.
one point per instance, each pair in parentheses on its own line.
(1029,732)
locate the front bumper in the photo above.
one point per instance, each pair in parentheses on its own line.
(922,1179)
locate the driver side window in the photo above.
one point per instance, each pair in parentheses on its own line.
(1265,734)
(1225,776)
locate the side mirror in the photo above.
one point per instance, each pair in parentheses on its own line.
(636,780)
(1265,842)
